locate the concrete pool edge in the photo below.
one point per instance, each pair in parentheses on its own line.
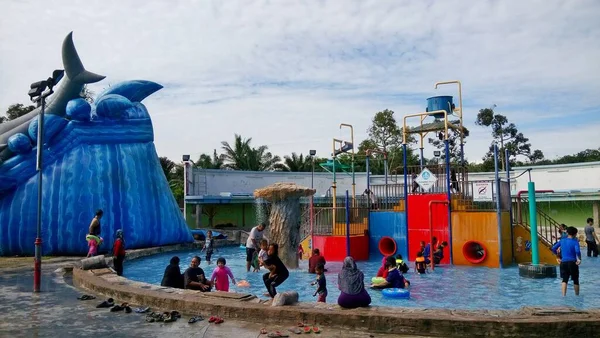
(532,322)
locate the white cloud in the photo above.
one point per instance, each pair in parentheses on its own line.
(339,61)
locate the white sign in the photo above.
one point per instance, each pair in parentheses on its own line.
(426,179)
(482,192)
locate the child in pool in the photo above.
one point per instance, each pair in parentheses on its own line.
(300,251)
(321,284)
(402,266)
(222,274)
(93,244)
(255,262)
(383,271)
(208,246)
(420,264)
(394,278)
(262,255)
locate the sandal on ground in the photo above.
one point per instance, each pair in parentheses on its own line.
(150,318)
(195,319)
(175,314)
(219,320)
(300,324)
(117,308)
(295,330)
(167,318)
(277,334)
(107,303)
(263,331)
(127,309)
(86,297)
(141,309)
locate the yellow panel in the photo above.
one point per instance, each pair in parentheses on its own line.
(522,255)
(307,246)
(475,226)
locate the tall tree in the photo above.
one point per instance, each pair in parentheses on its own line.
(167,166)
(506,135)
(242,156)
(453,141)
(384,131)
(216,161)
(15,111)
(296,163)
(87,94)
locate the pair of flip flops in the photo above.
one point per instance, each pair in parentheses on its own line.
(215,319)
(277,334)
(124,306)
(195,319)
(307,328)
(107,303)
(86,297)
(166,317)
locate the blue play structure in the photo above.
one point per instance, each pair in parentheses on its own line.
(96,156)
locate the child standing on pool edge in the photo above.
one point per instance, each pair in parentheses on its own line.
(321,283)
(570,260)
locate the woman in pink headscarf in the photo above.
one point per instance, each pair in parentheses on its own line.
(383,271)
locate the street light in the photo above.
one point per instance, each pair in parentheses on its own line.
(186,162)
(37,95)
(312,175)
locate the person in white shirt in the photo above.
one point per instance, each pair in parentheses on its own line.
(252,244)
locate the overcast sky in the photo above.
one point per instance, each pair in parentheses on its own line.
(287,73)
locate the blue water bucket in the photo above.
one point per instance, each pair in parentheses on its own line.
(440,103)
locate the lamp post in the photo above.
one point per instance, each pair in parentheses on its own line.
(312,173)
(312,185)
(353,180)
(186,164)
(37,95)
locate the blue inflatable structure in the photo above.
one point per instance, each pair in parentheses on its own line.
(96,156)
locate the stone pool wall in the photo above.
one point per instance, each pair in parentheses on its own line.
(527,322)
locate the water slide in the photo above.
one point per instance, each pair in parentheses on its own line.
(96,156)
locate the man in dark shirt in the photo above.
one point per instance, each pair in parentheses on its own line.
(315,260)
(194,277)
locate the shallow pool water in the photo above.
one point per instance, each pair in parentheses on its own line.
(447,287)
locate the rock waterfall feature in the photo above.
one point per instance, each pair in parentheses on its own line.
(284,220)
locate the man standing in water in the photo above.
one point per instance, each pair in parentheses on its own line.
(591,239)
(252,244)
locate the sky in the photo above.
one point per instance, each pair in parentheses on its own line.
(287,73)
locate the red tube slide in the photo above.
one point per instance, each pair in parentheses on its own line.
(475,252)
(387,246)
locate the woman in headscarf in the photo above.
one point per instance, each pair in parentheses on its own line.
(119,252)
(351,282)
(173,277)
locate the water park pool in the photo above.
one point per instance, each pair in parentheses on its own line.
(447,287)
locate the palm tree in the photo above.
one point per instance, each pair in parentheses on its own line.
(167,166)
(207,162)
(235,157)
(242,156)
(296,163)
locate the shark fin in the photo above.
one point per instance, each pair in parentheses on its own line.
(73,66)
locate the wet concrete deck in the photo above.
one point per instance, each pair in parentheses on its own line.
(56,312)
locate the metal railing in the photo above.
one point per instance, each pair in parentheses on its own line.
(386,197)
(459,178)
(477,196)
(548,229)
(324,221)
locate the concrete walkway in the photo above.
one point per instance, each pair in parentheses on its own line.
(56,312)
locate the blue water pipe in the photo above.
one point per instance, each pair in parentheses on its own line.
(449,196)
(421,157)
(404,162)
(512,235)
(347,224)
(498,211)
(535,257)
